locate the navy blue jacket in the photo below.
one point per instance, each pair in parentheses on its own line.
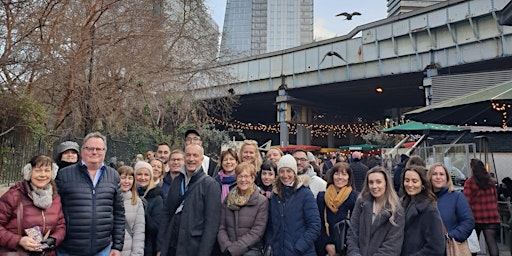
(152,211)
(293,225)
(455,213)
(94,215)
(332,218)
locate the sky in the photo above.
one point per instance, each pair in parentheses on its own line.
(326,24)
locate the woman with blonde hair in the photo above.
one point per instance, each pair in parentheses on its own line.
(134,213)
(151,193)
(453,206)
(274,154)
(244,215)
(249,153)
(377,222)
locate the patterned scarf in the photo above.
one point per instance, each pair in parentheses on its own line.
(235,199)
(42,198)
(226,182)
(334,199)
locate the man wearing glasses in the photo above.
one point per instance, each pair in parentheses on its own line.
(307,174)
(193,137)
(92,203)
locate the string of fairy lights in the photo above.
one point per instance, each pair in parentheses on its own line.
(502,107)
(317,130)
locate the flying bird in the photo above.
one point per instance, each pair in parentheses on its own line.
(348,15)
(332,53)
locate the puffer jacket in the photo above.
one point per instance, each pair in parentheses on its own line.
(94,215)
(243,228)
(133,246)
(153,210)
(293,224)
(47,219)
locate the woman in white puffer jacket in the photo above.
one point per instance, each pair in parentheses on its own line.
(134,214)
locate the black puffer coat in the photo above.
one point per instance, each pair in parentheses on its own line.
(94,215)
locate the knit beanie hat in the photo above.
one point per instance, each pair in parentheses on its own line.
(287,161)
(311,157)
(141,164)
(67,145)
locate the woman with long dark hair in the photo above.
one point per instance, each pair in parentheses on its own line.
(423,231)
(334,204)
(481,193)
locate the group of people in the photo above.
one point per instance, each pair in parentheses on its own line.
(180,202)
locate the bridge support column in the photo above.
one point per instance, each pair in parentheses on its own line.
(283,115)
(330,139)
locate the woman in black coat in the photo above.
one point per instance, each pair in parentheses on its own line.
(423,233)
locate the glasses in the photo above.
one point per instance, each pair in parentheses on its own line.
(176,160)
(245,177)
(91,149)
(301,159)
(193,139)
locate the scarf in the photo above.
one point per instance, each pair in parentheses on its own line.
(226,182)
(42,198)
(334,199)
(235,199)
(266,190)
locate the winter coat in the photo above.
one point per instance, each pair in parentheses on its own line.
(332,218)
(294,223)
(359,170)
(199,220)
(243,228)
(133,246)
(165,185)
(47,219)
(455,213)
(483,202)
(379,237)
(423,233)
(152,213)
(94,215)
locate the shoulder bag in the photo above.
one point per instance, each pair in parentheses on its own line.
(454,248)
(340,232)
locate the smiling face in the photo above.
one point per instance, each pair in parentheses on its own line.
(302,160)
(126,182)
(412,183)
(229,164)
(193,158)
(244,180)
(143,177)
(93,153)
(268,177)
(163,152)
(273,155)
(176,161)
(377,185)
(41,175)
(248,154)
(157,169)
(340,179)
(439,178)
(69,156)
(286,176)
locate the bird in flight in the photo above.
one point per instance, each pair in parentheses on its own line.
(348,15)
(332,53)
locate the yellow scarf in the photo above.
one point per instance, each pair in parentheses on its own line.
(334,199)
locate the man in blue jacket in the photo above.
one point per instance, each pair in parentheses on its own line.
(92,203)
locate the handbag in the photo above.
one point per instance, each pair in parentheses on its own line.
(340,232)
(454,248)
(473,243)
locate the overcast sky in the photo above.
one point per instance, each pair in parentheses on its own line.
(326,24)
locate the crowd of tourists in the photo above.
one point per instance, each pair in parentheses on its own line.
(182,202)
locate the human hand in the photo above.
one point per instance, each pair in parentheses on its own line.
(331,249)
(115,252)
(29,244)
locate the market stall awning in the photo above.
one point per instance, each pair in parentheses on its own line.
(488,107)
(360,147)
(413,127)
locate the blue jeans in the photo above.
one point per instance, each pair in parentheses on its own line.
(104,252)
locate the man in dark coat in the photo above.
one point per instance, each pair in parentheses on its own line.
(397,172)
(92,203)
(359,170)
(193,137)
(191,216)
